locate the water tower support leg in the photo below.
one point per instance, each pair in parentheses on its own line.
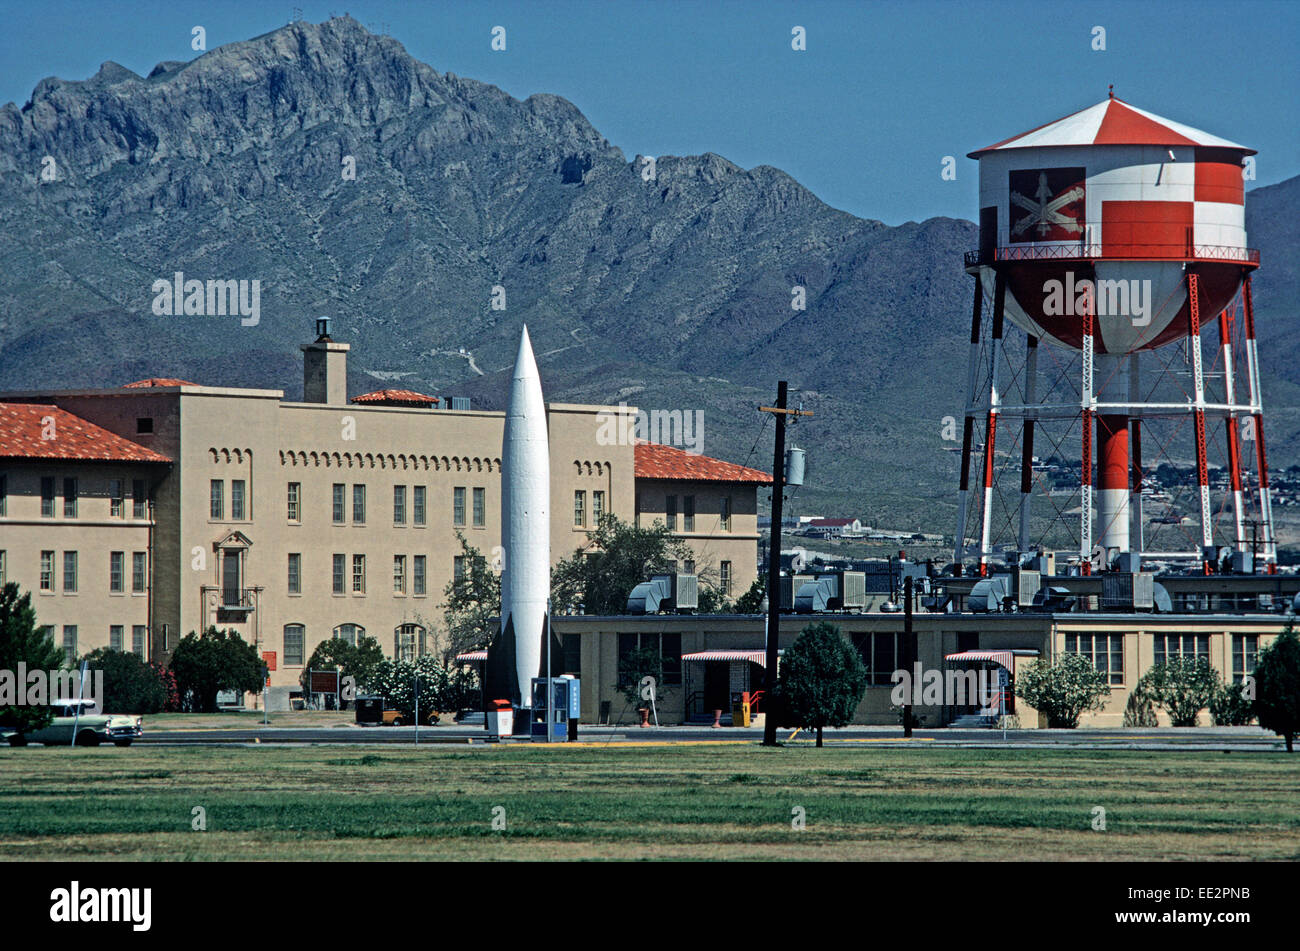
(991,429)
(968,428)
(1085,460)
(1198,413)
(1257,408)
(1138,526)
(1027,450)
(1234,445)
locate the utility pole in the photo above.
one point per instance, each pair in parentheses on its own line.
(774,556)
(909,665)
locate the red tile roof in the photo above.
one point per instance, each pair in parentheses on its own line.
(156,381)
(24,426)
(655,461)
(396,398)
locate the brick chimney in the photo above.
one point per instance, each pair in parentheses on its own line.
(325,368)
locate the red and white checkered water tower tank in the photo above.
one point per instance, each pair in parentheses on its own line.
(1112,193)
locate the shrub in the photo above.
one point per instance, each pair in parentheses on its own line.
(130,684)
(1229,706)
(1063,691)
(1182,687)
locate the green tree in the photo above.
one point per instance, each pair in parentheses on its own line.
(1181,686)
(1064,690)
(360,662)
(130,684)
(1277,687)
(822,679)
(617,557)
(208,663)
(751,602)
(21,641)
(473,606)
(1229,706)
(633,668)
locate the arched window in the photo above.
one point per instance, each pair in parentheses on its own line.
(408,642)
(295,636)
(350,633)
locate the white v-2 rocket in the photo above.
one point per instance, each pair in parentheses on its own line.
(525,533)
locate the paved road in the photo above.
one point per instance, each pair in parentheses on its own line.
(1226,739)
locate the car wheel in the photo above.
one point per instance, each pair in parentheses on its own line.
(87,738)
(17,739)
(397,721)
(121,742)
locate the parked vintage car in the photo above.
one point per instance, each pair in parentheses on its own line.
(91,727)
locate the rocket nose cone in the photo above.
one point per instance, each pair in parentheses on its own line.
(525,362)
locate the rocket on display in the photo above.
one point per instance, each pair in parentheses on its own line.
(517,654)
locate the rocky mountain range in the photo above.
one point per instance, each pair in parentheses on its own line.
(667,285)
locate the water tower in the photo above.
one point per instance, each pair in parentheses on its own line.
(1114,236)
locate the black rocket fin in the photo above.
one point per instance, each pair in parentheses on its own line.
(500,681)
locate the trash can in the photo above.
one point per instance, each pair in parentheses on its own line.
(500,720)
(740,710)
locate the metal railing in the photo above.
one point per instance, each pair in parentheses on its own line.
(1078,251)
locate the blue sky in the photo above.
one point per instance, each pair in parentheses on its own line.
(863,116)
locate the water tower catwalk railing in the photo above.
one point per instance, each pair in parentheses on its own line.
(1119,422)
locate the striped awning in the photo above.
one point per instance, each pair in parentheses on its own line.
(1001,658)
(754,657)
(471,656)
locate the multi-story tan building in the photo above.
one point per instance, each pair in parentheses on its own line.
(164,506)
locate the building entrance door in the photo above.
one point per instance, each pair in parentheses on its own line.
(717,686)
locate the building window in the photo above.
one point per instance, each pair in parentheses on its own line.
(293,498)
(408,642)
(115,498)
(47,497)
(458,505)
(724,513)
(597,505)
(399,505)
(1106,651)
(358,505)
(294,635)
(340,513)
(4,574)
(144,424)
(669,647)
(579,509)
(879,653)
(417,504)
(689,566)
(351,633)
(670,512)
(457,567)
(117,571)
(4,496)
(231,576)
(47,571)
(340,574)
(69,572)
(139,499)
(480,507)
(70,644)
(115,634)
(688,513)
(216,500)
(237,499)
(137,572)
(399,574)
(295,572)
(137,639)
(636,511)
(1245,647)
(418,578)
(725,572)
(359,574)
(1170,646)
(69,498)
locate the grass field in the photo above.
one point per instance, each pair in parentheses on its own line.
(688,802)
